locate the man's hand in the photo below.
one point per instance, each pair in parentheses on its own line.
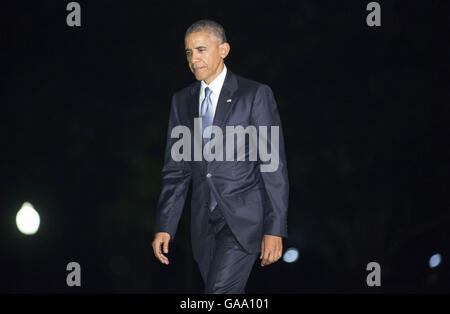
(271,249)
(161,238)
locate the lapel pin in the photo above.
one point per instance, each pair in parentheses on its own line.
(229,100)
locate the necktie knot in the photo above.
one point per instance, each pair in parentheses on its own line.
(208,92)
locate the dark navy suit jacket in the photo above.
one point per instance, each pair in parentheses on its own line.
(252,202)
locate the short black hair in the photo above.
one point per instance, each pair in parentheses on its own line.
(210,26)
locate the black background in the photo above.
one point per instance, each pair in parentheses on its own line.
(365,118)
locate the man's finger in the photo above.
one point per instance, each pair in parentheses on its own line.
(270,258)
(265,258)
(155,246)
(163,259)
(158,253)
(273,258)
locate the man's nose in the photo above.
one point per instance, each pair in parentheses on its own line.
(195,57)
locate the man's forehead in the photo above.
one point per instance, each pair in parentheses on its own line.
(203,38)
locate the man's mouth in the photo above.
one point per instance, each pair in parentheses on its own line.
(197,69)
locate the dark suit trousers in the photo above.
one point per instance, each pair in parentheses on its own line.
(226,266)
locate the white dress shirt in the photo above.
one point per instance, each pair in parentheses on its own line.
(216,87)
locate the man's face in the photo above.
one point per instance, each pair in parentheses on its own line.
(205,55)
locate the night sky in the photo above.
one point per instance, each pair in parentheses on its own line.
(365,114)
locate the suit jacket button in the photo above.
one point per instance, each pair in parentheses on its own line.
(208,175)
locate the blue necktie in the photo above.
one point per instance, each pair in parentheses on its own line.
(207,115)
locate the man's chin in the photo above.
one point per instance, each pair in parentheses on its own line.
(199,78)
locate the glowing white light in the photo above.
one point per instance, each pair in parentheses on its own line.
(291,255)
(27,219)
(435,260)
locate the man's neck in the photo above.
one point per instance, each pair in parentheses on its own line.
(220,69)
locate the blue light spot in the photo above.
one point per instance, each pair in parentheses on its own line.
(291,255)
(435,260)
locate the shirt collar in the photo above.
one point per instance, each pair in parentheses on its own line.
(216,84)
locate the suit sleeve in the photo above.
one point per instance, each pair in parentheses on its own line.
(176,176)
(265,113)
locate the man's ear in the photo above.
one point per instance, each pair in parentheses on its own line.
(224,49)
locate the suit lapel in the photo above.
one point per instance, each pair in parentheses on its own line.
(193,103)
(226,100)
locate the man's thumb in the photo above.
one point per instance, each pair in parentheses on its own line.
(166,246)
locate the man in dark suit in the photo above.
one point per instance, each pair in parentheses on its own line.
(239,204)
